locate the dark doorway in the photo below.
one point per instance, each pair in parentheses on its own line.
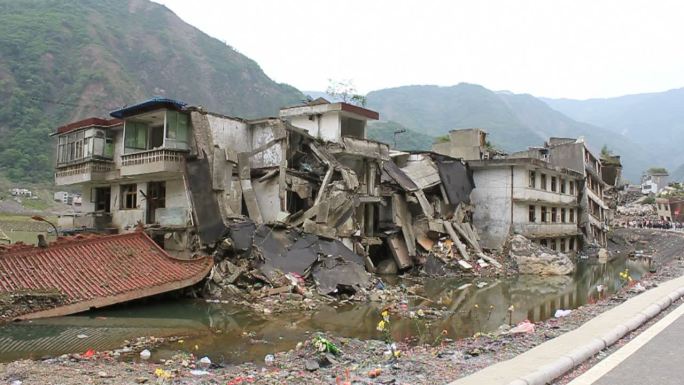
(156,137)
(102,198)
(156,199)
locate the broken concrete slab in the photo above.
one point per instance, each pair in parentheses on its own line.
(334,275)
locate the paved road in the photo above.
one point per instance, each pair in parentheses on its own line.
(659,362)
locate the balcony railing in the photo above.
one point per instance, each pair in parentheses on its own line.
(85,171)
(152,161)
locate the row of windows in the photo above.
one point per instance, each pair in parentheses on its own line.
(663,206)
(556,185)
(563,245)
(551,214)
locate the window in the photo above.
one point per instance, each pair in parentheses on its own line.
(562,245)
(562,185)
(156,129)
(544,243)
(553,183)
(136,136)
(554,211)
(543,181)
(571,245)
(562,218)
(572,215)
(129,196)
(532,214)
(533,182)
(553,244)
(176,130)
(571,187)
(543,214)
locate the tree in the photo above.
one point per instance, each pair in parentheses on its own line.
(605,152)
(345,91)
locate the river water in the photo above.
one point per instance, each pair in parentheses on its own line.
(227,333)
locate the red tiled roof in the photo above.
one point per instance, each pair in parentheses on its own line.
(89,122)
(96,272)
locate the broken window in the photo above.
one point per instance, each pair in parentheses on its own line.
(553,183)
(562,217)
(553,244)
(562,185)
(532,214)
(101,197)
(571,187)
(571,244)
(554,211)
(129,196)
(532,179)
(562,245)
(544,243)
(543,181)
(572,215)
(543,214)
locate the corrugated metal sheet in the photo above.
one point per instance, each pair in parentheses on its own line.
(98,271)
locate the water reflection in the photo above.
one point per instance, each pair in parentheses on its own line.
(231,334)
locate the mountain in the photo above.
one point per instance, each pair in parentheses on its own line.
(656,120)
(513,121)
(407,140)
(66,60)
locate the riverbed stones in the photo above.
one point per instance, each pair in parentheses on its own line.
(538,260)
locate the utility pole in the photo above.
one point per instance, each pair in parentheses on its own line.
(397,132)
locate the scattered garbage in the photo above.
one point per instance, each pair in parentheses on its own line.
(81,336)
(269,360)
(198,372)
(523,327)
(638,288)
(560,313)
(323,345)
(204,362)
(145,354)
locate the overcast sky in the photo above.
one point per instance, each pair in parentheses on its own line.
(575,49)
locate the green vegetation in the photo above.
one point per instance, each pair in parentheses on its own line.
(657,170)
(408,140)
(648,201)
(61,61)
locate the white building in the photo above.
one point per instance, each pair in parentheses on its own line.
(525,196)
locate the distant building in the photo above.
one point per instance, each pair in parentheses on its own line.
(21,192)
(467,144)
(654,180)
(61,196)
(670,208)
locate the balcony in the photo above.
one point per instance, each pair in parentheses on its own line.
(86,171)
(158,161)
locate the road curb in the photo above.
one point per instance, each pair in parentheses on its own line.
(565,363)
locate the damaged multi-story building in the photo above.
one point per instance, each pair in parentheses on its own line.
(551,194)
(522,193)
(187,175)
(595,214)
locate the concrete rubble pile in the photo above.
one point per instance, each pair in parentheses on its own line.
(636,209)
(299,211)
(534,259)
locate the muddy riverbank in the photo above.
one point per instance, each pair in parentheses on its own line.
(427,356)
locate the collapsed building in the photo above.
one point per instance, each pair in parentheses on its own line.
(552,194)
(285,192)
